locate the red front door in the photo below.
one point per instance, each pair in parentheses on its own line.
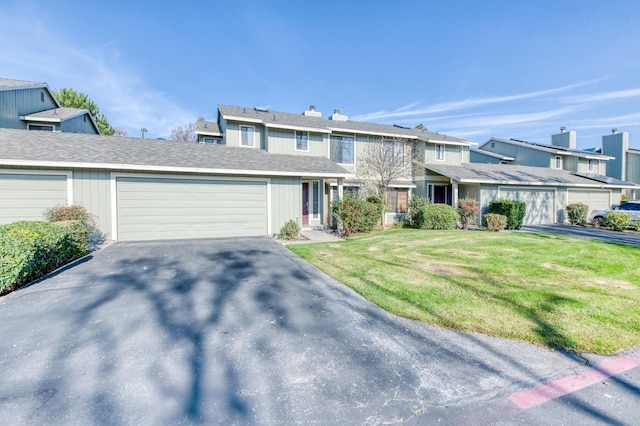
(305,203)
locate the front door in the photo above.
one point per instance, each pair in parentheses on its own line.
(305,203)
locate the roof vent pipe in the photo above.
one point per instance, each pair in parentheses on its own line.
(614,131)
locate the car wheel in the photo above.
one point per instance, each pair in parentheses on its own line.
(597,222)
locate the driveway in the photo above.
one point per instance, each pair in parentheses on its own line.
(605,235)
(237,331)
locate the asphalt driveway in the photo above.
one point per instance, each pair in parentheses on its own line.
(236,331)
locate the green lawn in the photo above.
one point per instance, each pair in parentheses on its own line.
(549,290)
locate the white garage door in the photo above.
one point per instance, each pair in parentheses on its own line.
(27,196)
(595,199)
(540,203)
(163,208)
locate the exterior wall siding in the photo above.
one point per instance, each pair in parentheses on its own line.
(232,135)
(524,156)
(80,124)
(453,154)
(284,142)
(91,189)
(19,102)
(616,145)
(286,202)
(633,167)
(478,157)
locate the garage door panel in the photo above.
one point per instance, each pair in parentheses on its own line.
(596,200)
(160,208)
(26,197)
(540,204)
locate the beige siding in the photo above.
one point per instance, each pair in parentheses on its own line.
(286,202)
(168,208)
(26,196)
(91,189)
(232,135)
(453,154)
(284,142)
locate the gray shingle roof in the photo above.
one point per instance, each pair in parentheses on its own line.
(323,125)
(210,128)
(8,83)
(57,114)
(520,175)
(67,150)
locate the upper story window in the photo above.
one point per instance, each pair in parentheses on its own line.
(247,136)
(593,165)
(302,141)
(393,153)
(342,149)
(40,127)
(558,162)
(211,140)
(439,152)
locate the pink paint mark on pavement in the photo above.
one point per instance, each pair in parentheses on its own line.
(566,385)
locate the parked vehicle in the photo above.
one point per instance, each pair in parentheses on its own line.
(630,207)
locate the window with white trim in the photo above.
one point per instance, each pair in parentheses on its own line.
(439,152)
(342,149)
(393,153)
(302,141)
(558,162)
(593,164)
(40,127)
(247,134)
(211,140)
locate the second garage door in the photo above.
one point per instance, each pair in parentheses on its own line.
(596,200)
(162,208)
(26,196)
(540,204)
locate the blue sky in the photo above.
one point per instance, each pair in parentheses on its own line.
(470,69)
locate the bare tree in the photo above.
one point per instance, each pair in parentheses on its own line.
(186,133)
(380,164)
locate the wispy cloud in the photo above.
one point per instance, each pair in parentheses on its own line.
(604,96)
(32,51)
(465,104)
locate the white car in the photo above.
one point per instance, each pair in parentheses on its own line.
(630,207)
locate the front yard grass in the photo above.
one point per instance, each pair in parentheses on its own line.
(557,291)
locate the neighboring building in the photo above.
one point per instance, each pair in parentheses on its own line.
(142,189)
(345,142)
(626,162)
(208,132)
(560,155)
(32,106)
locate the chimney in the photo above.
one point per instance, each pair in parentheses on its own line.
(564,139)
(311,112)
(616,145)
(614,131)
(336,116)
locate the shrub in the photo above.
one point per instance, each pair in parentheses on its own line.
(637,228)
(29,250)
(618,221)
(414,209)
(468,210)
(495,222)
(80,218)
(438,216)
(514,210)
(355,214)
(577,213)
(290,230)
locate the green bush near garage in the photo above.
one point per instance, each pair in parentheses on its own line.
(514,210)
(577,213)
(438,216)
(29,250)
(618,221)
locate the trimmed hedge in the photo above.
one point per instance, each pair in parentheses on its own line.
(618,221)
(414,209)
(514,210)
(495,222)
(438,216)
(355,214)
(577,213)
(29,250)
(76,219)
(290,230)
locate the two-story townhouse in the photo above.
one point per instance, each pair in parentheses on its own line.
(626,162)
(32,106)
(562,154)
(347,143)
